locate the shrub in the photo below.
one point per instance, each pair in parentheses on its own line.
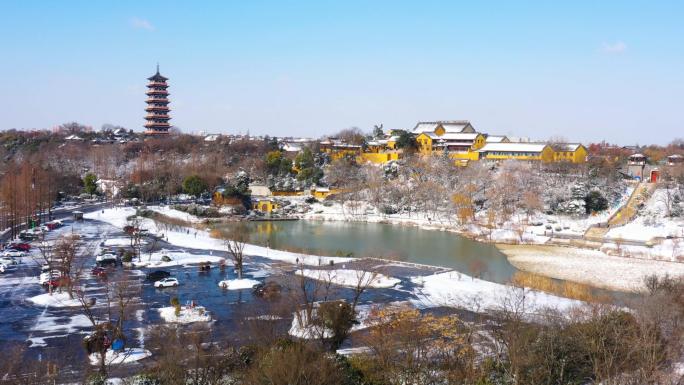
(595,202)
(165,258)
(176,305)
(145,379)
(127,257)
(96,379)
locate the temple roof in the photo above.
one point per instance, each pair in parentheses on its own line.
(157,77)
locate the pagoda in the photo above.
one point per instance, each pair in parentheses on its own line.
(157,105)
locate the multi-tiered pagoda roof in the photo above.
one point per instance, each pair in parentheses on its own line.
(157,105)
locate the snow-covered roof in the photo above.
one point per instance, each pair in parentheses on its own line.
(459,136)
(519,139)
(425,127)
(637,156)
(453,126)
(675,156)
(495,138)
(513,147)
(568,146)
(211,138)
(73,137)
(291,148)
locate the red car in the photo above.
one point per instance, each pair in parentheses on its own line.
(20,246)
(99,272)
(54,282)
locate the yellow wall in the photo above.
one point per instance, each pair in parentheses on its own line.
(479,142)
(377,157)
(546,155)
(339,154)
(424,143)
(324,194)
(287,193)
(577,156)
(265,206)
(470,155)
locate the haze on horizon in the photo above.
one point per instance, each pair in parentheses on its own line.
(586,71)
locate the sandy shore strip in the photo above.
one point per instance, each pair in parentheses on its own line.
(591,267)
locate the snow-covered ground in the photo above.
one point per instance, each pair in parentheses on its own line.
(508,232)
(652,221)
(177,214)
(54,300)
(201,240)
(178,258)
(237,284)
(187,314)
(117,358)
(56,326)
(351,278)
(591,267)
(459,290)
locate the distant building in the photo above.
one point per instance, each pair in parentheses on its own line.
(497,139)
(675,159)
(157,105)
(442,127)
(636,164)
(265,205)
(518,151)
(569,152)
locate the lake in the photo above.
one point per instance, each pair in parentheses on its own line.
(401,243)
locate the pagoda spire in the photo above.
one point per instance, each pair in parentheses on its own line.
(157,105)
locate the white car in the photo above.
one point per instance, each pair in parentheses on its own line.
(49,276)
(8,261)
(166,282)
(13,254)
(2,267)
(106,258)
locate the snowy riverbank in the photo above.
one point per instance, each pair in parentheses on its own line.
(590,267)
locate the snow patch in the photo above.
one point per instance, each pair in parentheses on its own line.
(117,358)
(351,278)
(237,284)
(187,314)
(54,300)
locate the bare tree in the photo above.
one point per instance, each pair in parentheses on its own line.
(235,244)
(363,280)
(107,319)
(65,252)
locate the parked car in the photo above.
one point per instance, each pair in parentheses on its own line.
(157,275)
(57,282)
(13,254)
(2,267)
(8,261)
(19,246)
(166,282)
(46,278)
(106,258)
(99,272)
(53,225)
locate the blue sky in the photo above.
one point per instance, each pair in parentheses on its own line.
(582,70)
